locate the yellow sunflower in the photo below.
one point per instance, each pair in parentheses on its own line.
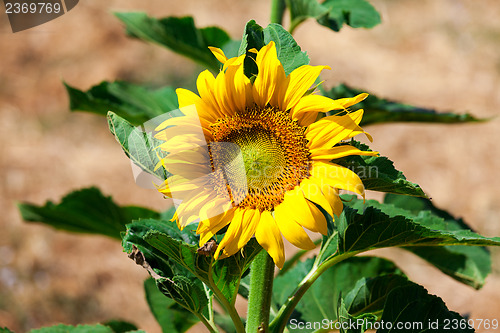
(251,155)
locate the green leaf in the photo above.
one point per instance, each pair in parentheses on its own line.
(398,301)
(346,320)
(334,13)
(413,305)
(170,316)
(379,110)
(469,265)
(74,329)
(119,326)
(225,273)
(137,104)
(178,34)
(85,211)
(138,145)
(375,229)
(184,291)
(378,173)
(370,293)
(321,300)
(288,51)
(5,330)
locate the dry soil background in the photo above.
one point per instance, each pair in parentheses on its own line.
(443,54)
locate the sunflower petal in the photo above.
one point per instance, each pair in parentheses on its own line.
(338,177)
(292,231)
(329,154)
(219,54)
(269,237)
(301,79)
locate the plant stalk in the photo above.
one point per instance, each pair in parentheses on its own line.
(261,287)
(277,11)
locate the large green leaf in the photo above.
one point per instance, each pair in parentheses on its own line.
(378,173)
(321,300)
(379,110)
(171,317)
(174,280)
(400,305)
(74,329)
(135,103)
(375,229)
(120,326)
(178,34)
(289,53)
(140,146)
(334,13)
(86,211)
(5,330)
(469,265)
(414,307)
(225,273)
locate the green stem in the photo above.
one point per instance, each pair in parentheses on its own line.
(277,11)
(210,326)
(279,323)
(261,287)
(230,309)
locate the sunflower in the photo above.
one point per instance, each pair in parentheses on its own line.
(250,155)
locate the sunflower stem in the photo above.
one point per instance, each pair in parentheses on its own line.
(277,11)
(261,287)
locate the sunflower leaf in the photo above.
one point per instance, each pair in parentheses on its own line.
(467,264)
(138,145)
(178,34)
(413,305)
(289,53)
(334,14)
(85,211)
(226,273)
(173,279)
(378,173)
(255,37)
(375,225)
(379,110)
(135,103)
(74,329)
(322,299)
(120,326)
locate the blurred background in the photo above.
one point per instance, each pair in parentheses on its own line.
(442,54)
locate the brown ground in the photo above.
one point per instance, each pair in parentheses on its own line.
(439,54)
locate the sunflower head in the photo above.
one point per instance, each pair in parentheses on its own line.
(253,156)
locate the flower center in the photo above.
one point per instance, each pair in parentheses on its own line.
(263,154)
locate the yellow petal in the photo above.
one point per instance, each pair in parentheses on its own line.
(233,231)
(312,104)
(328,131)
(208,228)
(290,229)
(347,102)
(313,192)
(267,80)
(303,213)
(301,79)
(337,177)
(219,54)
(206,85)
(329,154)
(269,237)
(188,98)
